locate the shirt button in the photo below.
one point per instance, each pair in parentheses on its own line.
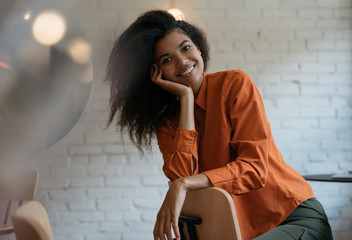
(191,141)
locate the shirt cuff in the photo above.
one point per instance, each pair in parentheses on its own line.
(185,140)
(220,177)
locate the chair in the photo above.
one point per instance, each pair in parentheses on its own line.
(31,222)
(208,214)
(15,187)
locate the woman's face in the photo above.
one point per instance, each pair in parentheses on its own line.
(179,59)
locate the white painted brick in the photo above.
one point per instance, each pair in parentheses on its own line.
(85,205)
(262,57)
(154,180)
(301,145)
(332,24)
(319,134)
(117,148)
(283,112)
(314,44)
(309,34)
(296,24)
(343,44)
(276,34)
(317,112)
(339,225)
(103,138)
(141,170)
(148,203)
(242,13)
(52,183)
(337,34)
(297,45)
(344,112)
(334,4)
(79,160)
(67,195)
(315,102)
(113,204)
(141,192)
(247,34)
(90,216)
(104,171)
(261,4)
(317,67)
(314,13)
(104,236)
(99,160)
(343,67)
(344,90)
(318,157)
(106,192)
(335,123)
(257,24)
(284,89)
(336,56)
(279,45)
(279,13)
(223,4)
(117,160)
(286,135)
(68,172)
(244,46)
(300,78)
(84,149)
(300,123)
(114,216)
(87,182)
(336,144)
(336,79)
(339,102)
(123,181)
(347,134)
(301,57)
(321,168)
(68,217)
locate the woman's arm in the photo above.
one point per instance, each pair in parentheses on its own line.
(170,210)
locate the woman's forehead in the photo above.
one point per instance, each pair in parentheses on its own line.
(171,41)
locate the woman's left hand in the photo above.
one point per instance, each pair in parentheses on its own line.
(169,212)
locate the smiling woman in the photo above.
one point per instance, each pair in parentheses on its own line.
(211,130)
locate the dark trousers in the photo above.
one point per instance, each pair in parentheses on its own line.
(307,222)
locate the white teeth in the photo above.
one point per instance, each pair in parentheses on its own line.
(187,71)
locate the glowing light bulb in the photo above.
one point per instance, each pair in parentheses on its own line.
(49,28)
(27,15)
(177,13)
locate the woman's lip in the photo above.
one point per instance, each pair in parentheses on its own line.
(187,74)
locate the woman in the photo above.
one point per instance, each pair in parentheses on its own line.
(211,130)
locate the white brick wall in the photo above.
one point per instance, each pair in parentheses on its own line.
(298,53)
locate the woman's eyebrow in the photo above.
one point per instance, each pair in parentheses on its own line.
(179,46)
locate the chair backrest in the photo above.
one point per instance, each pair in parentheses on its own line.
(216,209)
(16,187)
(31,222)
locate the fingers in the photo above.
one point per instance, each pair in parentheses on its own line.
(155,74)
(176,229)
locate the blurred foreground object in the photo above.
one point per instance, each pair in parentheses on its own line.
(45,76)
(15,187)
(31,221)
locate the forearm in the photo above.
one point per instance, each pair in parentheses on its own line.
(186,119)
(194,182)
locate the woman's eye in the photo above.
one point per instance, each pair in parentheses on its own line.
(166,60)
(186,47)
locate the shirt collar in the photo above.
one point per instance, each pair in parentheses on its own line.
(201,99)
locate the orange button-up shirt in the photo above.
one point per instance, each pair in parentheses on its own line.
(233,145)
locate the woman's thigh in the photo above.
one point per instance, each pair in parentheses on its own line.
(307,221)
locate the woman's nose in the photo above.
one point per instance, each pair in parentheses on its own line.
(181,60)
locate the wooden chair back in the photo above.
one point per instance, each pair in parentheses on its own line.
(216,209)
(15,187)
(31,222)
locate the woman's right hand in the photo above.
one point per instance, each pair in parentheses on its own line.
(177,89)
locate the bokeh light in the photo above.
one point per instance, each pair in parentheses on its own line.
(49,28)
(177,13)
(80,51)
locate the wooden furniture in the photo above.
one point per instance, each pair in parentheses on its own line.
(31,222)
(214,206)
(15,187)
(329,177)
